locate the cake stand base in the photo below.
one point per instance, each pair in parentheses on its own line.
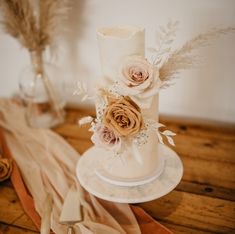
(161,185)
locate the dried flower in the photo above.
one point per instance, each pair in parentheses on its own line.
(34,32)
(106,138)
(185,58)
(123,116)
(165,36)
(19,21)
(5,168)
(139,77)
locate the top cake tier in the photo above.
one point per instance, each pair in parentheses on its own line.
(116,43)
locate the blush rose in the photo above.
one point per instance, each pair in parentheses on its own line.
(106,138)
(139,78)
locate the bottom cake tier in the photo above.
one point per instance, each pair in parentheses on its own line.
(126,165)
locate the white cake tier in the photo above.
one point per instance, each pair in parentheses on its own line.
(116,43)
(127,167)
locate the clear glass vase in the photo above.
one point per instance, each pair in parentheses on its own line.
(43,95)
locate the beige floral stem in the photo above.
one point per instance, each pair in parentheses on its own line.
(37,62)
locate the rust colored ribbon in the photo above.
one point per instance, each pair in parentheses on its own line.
(19,186)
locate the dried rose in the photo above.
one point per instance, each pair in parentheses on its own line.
(139,79)
(123,116)
(106,138)
(5,168)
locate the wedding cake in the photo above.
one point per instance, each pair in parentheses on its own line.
(126,133)
(129,151)
(129,85)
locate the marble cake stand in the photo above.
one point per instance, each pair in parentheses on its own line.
(158,187)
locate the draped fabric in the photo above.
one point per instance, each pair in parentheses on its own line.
(44,165)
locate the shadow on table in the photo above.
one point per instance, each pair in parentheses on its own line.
(161,208)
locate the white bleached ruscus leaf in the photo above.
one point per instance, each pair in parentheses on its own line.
(85,120)
(168,133)
(170,140)
(160,138)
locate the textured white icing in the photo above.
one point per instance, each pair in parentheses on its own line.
(115,43)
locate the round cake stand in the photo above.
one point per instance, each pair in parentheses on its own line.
(163,184)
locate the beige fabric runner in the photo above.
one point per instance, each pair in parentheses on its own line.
(47,164)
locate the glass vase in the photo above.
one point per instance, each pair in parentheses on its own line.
(42,91)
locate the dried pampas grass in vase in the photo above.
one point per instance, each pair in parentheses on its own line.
(36,25)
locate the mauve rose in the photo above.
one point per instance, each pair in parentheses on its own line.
(139,78)
(123,116)
(106,138)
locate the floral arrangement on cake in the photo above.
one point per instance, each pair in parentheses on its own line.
(120,121)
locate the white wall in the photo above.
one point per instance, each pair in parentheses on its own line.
(207,92)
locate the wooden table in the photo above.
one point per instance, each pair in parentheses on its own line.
(202,203)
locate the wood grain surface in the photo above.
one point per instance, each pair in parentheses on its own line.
(204,201)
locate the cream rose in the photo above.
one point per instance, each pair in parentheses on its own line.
(106,138)
(5,168)
(123,116)
(139,79)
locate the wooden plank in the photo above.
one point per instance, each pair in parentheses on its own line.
(202,129)
(13,212)
(179,208)
(9,202)
(194,211)
(74,131)
(25,222)
(74,114)
(81,146)
(205,148)
(206,190)
(206,172)
(177,229)
(8,229)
